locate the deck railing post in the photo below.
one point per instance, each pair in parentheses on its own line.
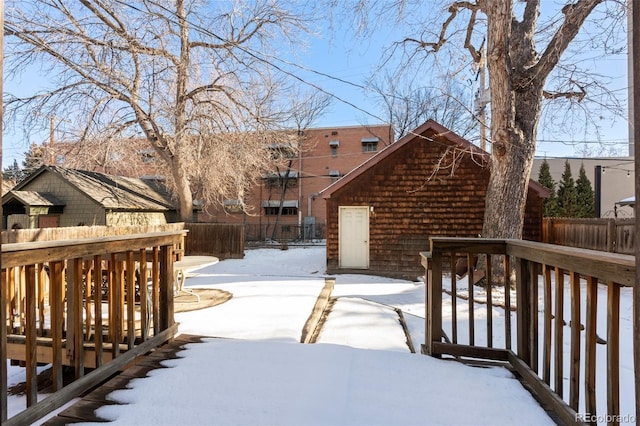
(3,346)
(434,300)
(30,329)
(523,289)
(166,287)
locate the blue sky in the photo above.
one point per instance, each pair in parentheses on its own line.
(344,57)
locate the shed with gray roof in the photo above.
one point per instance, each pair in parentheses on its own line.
(57,196)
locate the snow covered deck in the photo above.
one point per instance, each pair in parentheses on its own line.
(254,370)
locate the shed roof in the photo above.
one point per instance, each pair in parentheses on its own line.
(111,192)
(630,201)
(429,126)
(33,198)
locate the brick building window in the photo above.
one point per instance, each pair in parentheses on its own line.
(369,144)
(289,207)
(334,175)
(334,147)
(283,150)
(277,180)
(148,156)
(233,206)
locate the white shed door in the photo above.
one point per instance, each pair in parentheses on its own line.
(353,227)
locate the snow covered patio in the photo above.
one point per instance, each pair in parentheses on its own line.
(360,372)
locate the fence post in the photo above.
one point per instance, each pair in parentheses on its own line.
(611,236)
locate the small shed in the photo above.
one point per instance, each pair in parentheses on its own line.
(429,183)
(55,196)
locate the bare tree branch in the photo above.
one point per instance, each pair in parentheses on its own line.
(157,69)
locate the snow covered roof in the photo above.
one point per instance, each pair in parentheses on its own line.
(630,201)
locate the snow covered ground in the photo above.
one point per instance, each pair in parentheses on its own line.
(361,372)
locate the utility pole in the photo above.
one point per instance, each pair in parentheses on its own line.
(51,139)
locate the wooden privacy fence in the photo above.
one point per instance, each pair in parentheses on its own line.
(225,241)
(92,304)
(556,325)
(611,235)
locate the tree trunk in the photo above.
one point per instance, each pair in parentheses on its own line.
(516,98)
(182,191)
(284,180)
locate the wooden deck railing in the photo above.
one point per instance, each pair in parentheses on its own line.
(92,305)
(565,335)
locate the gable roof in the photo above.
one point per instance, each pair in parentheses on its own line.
(429,127)
(111,192)
(33,198)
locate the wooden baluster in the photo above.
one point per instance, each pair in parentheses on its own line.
(131,299)
(88,300)
(76,284)
(435,304)
(166,287)
(428,277)
(142,284)
(22,300)
(470,270)
(489,295)
(155,288)
(121,268)
(574,368)
(534,327)
(115,320)
(558,365)
(546,355)
(97,301)
(613,349)
(507,302)
(454,301)
(31,328)
(590,346)
(523,294)
(111,296)
(56,301)
(41,297)
(4,312)
(15,300)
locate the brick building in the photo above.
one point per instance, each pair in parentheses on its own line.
(295,183)
(326,154)
(429,183)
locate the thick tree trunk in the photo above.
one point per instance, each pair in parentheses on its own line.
(516,98)
(183,192)
(517,75)
(504,202)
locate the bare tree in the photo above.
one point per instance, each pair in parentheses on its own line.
(187,76)
(529,63)
(313,106)
(408,104)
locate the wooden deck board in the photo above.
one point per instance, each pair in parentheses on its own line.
(84,410)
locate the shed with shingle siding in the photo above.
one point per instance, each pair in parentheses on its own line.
(429,183)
